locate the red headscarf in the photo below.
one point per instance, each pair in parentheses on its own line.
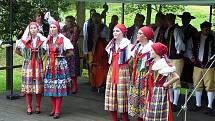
(122,27)
(148,32)
(56,23)
(160,49)
(33,23)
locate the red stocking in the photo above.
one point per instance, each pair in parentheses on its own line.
(53,101)
(38,100)
(29,101)
(114,115)
(58,104)
(139,119)
(125,116)
(74,84)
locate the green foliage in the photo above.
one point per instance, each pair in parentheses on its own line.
(139,8)
(134,8)
(93,5)
(23,12)
(172,8)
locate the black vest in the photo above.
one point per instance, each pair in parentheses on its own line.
(196,47)
(172,52)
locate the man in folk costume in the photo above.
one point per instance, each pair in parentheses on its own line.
(138,84)
(161,75)
(174,39)
(31,48)
(88,33)
(204,49)
(118,77)
(138,23)
(189,34)
(57,80)
(159,28)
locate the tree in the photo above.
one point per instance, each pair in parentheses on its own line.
(23,12)
(138,8)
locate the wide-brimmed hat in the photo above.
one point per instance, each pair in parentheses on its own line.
(186,15)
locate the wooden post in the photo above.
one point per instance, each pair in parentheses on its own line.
(9,52)
(210,14)
(123,11)
(149,12)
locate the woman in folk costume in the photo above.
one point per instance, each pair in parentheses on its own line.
(137,92)
(31,48)
(160,76)
(118,77)
(57,81)
(72,31)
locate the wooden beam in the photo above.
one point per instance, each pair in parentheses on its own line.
(149,12)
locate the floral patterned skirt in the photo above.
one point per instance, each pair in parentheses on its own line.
(61,84)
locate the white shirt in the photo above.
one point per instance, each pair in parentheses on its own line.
(19,43)
(156,33)
(66,42)
(202,46)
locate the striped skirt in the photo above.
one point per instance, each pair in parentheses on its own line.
(116,95)
(61,85)
(158,108)
(28,85)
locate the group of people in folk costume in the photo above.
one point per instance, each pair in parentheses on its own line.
(159,60)
(144,70)
(139,91)
(57,76)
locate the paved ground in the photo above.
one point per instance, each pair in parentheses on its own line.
(84,106)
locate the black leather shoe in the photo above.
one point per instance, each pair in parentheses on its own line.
(209,111)
(175,108)
(197,108)
(37,110)
(29,113)
(51,114)
(56,116)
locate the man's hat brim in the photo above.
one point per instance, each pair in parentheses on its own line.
(182,16)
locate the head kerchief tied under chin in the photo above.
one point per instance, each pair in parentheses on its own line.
(160,49)
(148,32)
(122,27)
(33,23)
(56,23)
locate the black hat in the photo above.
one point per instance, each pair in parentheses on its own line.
(186,15)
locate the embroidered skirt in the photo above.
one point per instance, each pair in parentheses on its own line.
(158,108)
(28,85)
(116,95)
(61,85)
(137,96)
